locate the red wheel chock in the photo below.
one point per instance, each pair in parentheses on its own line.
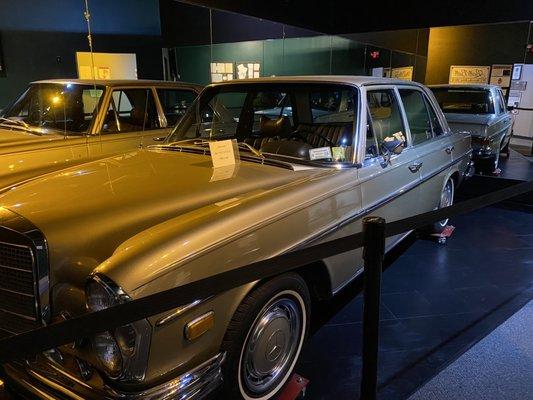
(294,388)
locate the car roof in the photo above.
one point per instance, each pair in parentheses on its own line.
(120,82)
(341,79)
(485,86)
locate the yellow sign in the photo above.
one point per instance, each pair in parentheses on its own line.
(467,74)
(404,73)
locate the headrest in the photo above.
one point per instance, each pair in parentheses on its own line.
(279,127)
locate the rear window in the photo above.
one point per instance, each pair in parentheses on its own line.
(464,101)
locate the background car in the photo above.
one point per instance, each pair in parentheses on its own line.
(480,110)
(131,225)
(56,123)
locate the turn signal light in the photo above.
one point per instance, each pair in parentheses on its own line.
(197,327)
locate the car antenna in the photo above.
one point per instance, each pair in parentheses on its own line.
(87,16)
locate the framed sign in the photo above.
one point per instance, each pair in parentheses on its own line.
(404,73)
(500,75)
(2,65)
(517,72)
(247,70)
(221,71)
(469,74)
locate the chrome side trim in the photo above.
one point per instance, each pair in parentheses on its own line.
(365,211)
(180,311)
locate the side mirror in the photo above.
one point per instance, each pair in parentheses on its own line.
(160,139)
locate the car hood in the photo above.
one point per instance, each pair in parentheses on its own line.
(87,211)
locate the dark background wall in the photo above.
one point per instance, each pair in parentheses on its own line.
(475,45)
(40,39)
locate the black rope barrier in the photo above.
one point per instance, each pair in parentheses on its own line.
(30,343)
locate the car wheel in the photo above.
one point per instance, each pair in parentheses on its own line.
(446,200)
(265,337)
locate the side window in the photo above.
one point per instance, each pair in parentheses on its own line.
(384,122)
(332,106)
(131,110)
(500,102)
(417,115)
(435,123)
(175,103)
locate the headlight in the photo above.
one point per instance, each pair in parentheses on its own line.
(123,352)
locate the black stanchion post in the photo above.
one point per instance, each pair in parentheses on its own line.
(373,253)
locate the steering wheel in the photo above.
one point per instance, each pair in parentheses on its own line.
(324,138)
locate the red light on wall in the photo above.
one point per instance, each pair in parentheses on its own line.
(374,54)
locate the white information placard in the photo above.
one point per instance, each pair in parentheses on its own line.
(223,153)
(320,153)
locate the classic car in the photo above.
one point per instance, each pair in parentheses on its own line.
(58,123)
(480,110)
(88,237)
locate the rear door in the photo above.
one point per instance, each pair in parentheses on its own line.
(388,186)
(430,141)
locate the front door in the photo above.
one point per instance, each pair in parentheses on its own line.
(131,120)
(388,180)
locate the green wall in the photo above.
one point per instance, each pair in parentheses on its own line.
(319,55)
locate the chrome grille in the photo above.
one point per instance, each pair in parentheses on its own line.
(19,311)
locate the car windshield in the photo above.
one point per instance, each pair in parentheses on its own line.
(295,121)
(464,101)
(64,108)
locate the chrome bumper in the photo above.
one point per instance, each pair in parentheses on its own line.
(45,379)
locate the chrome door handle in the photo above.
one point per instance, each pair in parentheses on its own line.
(415,167)
(449,149)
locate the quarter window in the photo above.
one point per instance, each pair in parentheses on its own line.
(417,115)
(175,103)
(131,110)
(384,121)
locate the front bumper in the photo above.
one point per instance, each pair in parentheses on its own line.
(46,379)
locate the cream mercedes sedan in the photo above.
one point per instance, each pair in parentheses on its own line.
(58,123)
(303,160)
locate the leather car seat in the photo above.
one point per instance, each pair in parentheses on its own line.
(270,129)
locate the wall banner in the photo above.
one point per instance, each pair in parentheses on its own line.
(466,74)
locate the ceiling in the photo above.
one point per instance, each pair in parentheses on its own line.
(351,16)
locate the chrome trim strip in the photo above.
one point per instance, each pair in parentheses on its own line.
(16,269)
(16,292)
(18,315)
(180,311)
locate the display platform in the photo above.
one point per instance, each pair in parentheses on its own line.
(498,367)
(437,300)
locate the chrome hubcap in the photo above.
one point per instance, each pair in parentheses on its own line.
(446,199)
(271,345)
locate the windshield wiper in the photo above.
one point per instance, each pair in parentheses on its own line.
(246,146)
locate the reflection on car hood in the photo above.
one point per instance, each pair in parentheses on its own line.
(481,119)
(86,211)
